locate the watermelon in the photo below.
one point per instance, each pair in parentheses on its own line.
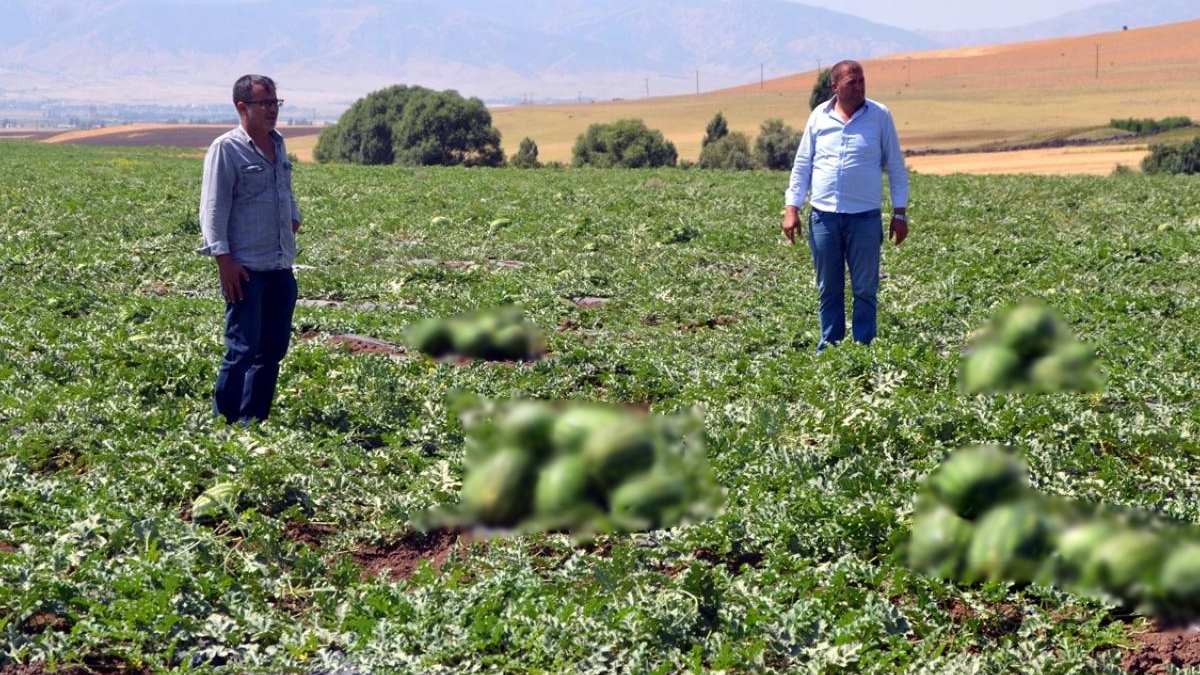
(497,492)
(1180,578)
(614,453)
(440,221)
(511,343)
(217,501)
(1009,544)
(528,425)
(1030,330)
(575,425)
(470,339)
(561,486)
(990,368)
(431,336)
(973,480)
(939,542)
(654,499)
(1075,547)
(1126,564)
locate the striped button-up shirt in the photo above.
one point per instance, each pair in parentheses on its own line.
(246,203)
(840,164)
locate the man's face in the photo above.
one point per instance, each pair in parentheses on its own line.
(850,87)
(262,111)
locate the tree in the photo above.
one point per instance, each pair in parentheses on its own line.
(625,143)
(822,89)
(1179,159)
(527,155)
(716,130)
(413,126)
(731,151)
(775,147)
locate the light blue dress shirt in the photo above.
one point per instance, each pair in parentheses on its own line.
(246,203)
(840,164)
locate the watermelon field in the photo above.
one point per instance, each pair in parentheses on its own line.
(660,290)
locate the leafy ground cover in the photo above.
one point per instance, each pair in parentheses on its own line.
(664,289)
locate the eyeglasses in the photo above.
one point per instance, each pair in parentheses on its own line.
(267,103)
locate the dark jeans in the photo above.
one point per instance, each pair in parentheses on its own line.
(257,331)
(838,241)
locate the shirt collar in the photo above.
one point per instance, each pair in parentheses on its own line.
(833,103)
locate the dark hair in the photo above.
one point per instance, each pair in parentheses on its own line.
(243,89)
(838,67)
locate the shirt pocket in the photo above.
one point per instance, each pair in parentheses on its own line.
(252,184)
(864,148)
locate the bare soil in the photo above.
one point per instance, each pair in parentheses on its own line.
(178,135)
(312,534)
(401,559)
(1162,647)
(92,665)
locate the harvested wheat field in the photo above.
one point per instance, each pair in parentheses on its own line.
(1094,160)
(941,99)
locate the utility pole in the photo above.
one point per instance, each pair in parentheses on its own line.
(762,76)
(697,82)
(1097,60)
(647,87)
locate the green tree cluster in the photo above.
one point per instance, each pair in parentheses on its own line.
(822,89)
(626,143)
(413,126)
(527,155)
(1173,159)
(1149,125)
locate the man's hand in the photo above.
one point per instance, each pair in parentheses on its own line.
(295,226)
(791,224)
(232,276)
(898,230)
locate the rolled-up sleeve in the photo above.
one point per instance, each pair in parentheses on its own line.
(801,180)
(216,200)
(893,163)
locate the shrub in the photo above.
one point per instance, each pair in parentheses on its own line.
(527,155)
(625,143)
(413,126)
(716,130)
(775,147)
(1183,158)
(822,89)
(732,152)
(1149,125)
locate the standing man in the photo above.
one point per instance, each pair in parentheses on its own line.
(847,144)
(249,218)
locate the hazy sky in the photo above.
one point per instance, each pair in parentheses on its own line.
(954,14)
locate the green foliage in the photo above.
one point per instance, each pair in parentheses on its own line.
(527,155)
(1149,125)
(717,129)
(776,145)
(624,144)
(732,151)
(1173,159)
(110,336)
(822,89)
(413,126)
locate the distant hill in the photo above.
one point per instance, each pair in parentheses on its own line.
(329,54)
(1112,16)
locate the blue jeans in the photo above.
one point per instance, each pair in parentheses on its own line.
(839,240)
(257,331)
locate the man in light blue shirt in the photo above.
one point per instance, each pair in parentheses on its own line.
(249,219)
(847,144)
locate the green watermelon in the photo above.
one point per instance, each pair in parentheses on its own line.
(973,480)
(440,221)
(939,542)
(1009,544)
(615,453)
(431,336)
(511,343)
(561,486)
(1030,330)
(579,422)
(470,339)
(497,492)
(528,425)
(654,499)
(990,368)
(1126,564)
(1075,547)
(217,501)
(1180,580)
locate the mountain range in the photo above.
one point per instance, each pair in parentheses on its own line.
(325,55)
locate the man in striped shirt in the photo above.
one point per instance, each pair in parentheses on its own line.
(848,142)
